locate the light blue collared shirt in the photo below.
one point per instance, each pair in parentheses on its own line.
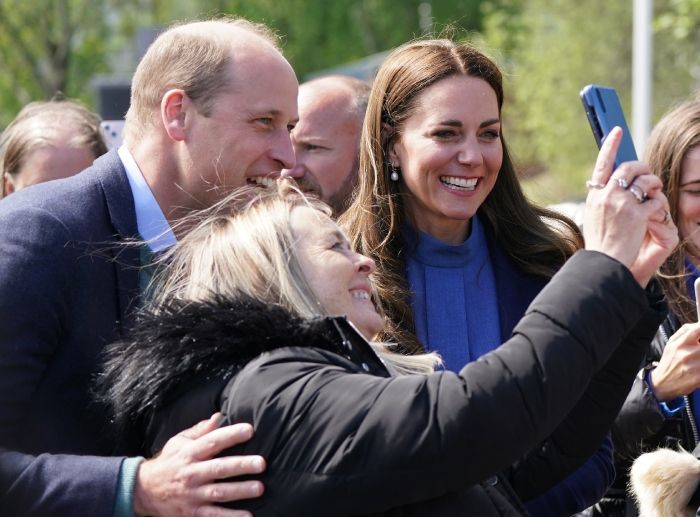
(150,221)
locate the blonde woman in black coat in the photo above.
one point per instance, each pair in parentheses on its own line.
(265,315)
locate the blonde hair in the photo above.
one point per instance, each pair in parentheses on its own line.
(39,124)
(244,245)
(193,57)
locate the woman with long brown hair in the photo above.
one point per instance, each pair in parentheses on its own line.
(460,251)
(663,408)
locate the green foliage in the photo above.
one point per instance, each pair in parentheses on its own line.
(676,59)
(549,50)
(319,34)
(681,17)
(556,48)
(98,36)
(553,49)
(46,47)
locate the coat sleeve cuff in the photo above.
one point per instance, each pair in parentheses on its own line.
(670,408)
(124,504)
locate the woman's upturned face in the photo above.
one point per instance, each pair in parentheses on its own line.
(689,198)
(450,153)
(337,275)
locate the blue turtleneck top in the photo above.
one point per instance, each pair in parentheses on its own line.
(454,300)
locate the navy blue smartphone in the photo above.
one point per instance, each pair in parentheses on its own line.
(604,112)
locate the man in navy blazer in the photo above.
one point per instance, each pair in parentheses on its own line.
(212,106)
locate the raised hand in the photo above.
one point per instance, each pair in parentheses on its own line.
(627,214)
(678,372)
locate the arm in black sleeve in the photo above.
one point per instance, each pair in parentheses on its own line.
(430,435)
(641,417)
(588,423)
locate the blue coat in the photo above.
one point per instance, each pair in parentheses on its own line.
(515,289)
(67,287)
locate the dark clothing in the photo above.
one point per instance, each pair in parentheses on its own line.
(584,486)
(342,437)
(641,427)
(446,279)
(515,288)
(66,288)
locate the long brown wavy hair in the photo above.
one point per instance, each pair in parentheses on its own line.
(538,240)
(675,134)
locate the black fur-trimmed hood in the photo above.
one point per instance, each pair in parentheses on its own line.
(185,342)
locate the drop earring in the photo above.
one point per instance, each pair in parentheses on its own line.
(394,173)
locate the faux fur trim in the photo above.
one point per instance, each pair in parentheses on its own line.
(663,482)
(187,342)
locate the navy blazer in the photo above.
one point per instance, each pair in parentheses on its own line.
(68,284)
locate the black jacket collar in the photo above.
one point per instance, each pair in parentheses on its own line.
(187,343)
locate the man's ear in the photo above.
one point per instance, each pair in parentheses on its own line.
(175,108)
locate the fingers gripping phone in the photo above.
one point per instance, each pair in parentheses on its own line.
(604,112)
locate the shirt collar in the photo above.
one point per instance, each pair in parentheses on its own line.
(150,221)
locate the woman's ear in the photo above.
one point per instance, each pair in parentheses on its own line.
(175,107)
(8,186)
(390,143)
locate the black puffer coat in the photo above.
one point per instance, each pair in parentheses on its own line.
(642,427)
(342,437)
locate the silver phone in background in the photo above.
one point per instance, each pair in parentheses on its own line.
(112,132)
(604,112)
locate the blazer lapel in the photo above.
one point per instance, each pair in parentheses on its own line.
(514,288)
(120,206)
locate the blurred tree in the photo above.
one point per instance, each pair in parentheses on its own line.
(552,49)
(320,34)
(52,45)
(47,47)
(676,59)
